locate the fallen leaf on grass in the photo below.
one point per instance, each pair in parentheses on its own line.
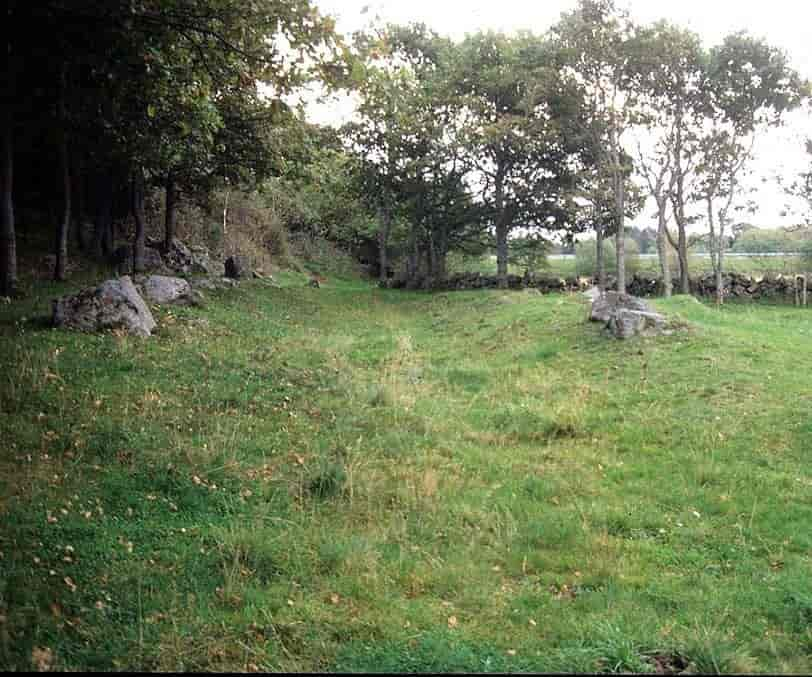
(42,658)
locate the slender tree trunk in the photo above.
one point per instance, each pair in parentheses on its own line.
(502,254)
(682,254)
(137,206)
(60,268)
(385,217)
(679,207)
(620,208)
(501,231)
(715,252)
(78,205)
(63,229)
(600,262)
(662,247)
(170,218)
(413,259)
(8,240)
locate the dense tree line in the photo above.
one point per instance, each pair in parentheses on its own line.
(108,98)
(498,141)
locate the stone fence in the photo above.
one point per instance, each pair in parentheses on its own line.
(777,288)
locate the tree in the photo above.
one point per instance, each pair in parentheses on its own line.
(147,96)
(667,67)
(749,86)
(595,41)
(518,131)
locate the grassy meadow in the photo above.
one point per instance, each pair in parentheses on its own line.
(355,479)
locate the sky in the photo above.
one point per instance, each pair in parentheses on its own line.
(783,23)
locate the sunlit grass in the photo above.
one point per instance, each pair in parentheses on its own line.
(348,478)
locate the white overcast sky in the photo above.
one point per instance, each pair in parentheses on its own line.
(784,23)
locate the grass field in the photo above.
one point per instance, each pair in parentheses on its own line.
(356,479)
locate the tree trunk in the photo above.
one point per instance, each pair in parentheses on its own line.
(620,208)
(682,253)
(78,206)
(413,259)
(662,247)
(170,218)
(600,262)
(679,207)
(60,268)
(383,241)
(137,206)
(501,231)
(8,240)
(502,254)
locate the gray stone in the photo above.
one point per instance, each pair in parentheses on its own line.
(114,304)
(592,293)
(605,306)
(201,263)
(162,289)
(625,323)
(211,283)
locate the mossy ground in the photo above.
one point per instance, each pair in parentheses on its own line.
(349,478)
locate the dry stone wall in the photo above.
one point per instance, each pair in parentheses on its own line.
(776,288)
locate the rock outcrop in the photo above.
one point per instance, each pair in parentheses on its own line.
(114,304)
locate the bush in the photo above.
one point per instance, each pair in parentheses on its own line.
(586,260)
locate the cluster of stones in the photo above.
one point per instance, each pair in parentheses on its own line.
(625,316)
(121,303)
(461,281)
(736,285)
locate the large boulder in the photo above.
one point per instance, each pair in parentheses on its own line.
(162,289)
(626,316)
(114,304)
(606,305)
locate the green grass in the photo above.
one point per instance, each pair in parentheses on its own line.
(355,479)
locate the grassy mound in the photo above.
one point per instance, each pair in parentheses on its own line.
(348,478)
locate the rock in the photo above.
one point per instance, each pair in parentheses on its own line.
(211,283)
(114,304)
(201,263)
(162,289)
(593,293)
(604,307)
(625,323)
(237,267)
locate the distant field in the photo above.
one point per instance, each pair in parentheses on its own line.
(566,266)
(354,479)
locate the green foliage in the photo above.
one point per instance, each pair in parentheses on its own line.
(586,257)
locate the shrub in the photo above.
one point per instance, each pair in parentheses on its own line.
(586,260)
